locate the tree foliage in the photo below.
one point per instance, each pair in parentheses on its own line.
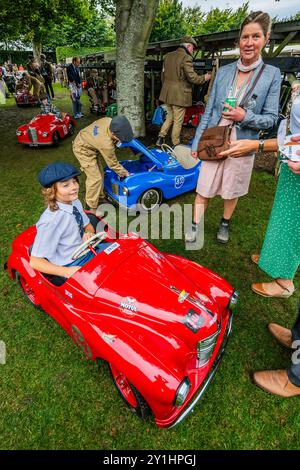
(95,31)
(173,20)
(169,22)
(217,19)
(33,20)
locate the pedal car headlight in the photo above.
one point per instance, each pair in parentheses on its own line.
(19,132)
(125,190)
(182,392)
(44,134)
(233,300)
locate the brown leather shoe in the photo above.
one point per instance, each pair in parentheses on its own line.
(276,382)
(255,259)
(262,289)
(281,334)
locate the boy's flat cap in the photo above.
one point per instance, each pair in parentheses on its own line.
(57,171)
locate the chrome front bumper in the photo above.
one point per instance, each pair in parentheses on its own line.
(190,407)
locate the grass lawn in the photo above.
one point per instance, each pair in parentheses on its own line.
(52,398)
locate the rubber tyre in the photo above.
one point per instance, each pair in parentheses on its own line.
(130,395)
(148,196)
(27,291)
(55,139)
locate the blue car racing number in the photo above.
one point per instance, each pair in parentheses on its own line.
(179,181)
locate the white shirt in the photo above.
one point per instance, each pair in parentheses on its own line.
(58,233)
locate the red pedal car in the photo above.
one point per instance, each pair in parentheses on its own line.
(45,129)
(159,320)
(24,98)
(193,114)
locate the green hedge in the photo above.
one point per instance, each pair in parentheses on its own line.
(62,52)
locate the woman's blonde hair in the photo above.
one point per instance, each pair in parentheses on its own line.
(260,17)
(50,197)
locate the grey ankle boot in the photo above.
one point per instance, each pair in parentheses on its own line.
(223,232)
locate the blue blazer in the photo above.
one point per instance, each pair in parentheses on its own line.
(263,116)
(73,74)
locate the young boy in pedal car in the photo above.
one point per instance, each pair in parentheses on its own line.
(49,108)
(63,226)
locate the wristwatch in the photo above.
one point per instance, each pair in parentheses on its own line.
(261,145)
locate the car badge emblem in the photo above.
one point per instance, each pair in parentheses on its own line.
(182,296)
(128,306)
(193,320)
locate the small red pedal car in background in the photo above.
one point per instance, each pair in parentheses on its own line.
(160,321)
(45,129)
(23,98)
(193,114)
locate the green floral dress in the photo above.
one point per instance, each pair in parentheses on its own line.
(280,255)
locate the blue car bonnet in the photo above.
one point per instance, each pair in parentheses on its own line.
(136,145)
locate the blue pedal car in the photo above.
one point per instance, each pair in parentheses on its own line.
(157,174)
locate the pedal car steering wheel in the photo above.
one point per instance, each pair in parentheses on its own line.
(88,244)
(166,148)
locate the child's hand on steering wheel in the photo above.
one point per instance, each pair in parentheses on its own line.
(87,236)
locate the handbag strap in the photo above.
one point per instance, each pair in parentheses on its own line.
(245,98)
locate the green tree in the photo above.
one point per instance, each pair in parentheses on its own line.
(173,20)
(222,20)
(169,21)
(96,31)
(193,18)
(42,16)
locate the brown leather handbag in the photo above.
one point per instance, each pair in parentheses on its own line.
(216,139)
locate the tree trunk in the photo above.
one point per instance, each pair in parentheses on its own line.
(134,20)
(37,50)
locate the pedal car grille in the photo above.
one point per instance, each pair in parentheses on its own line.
(115,188)
(32,134)
(206,347)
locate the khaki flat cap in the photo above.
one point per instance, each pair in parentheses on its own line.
(188,40)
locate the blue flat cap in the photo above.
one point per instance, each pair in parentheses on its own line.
(122,129)
(57,171)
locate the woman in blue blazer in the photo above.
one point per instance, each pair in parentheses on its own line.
(230,178)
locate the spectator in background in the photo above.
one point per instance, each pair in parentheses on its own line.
(47,74)
(178,76)
(93,85)
(3,70)
(3,88)
(25,83)
(60,74)
(36,77)
(75,86)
